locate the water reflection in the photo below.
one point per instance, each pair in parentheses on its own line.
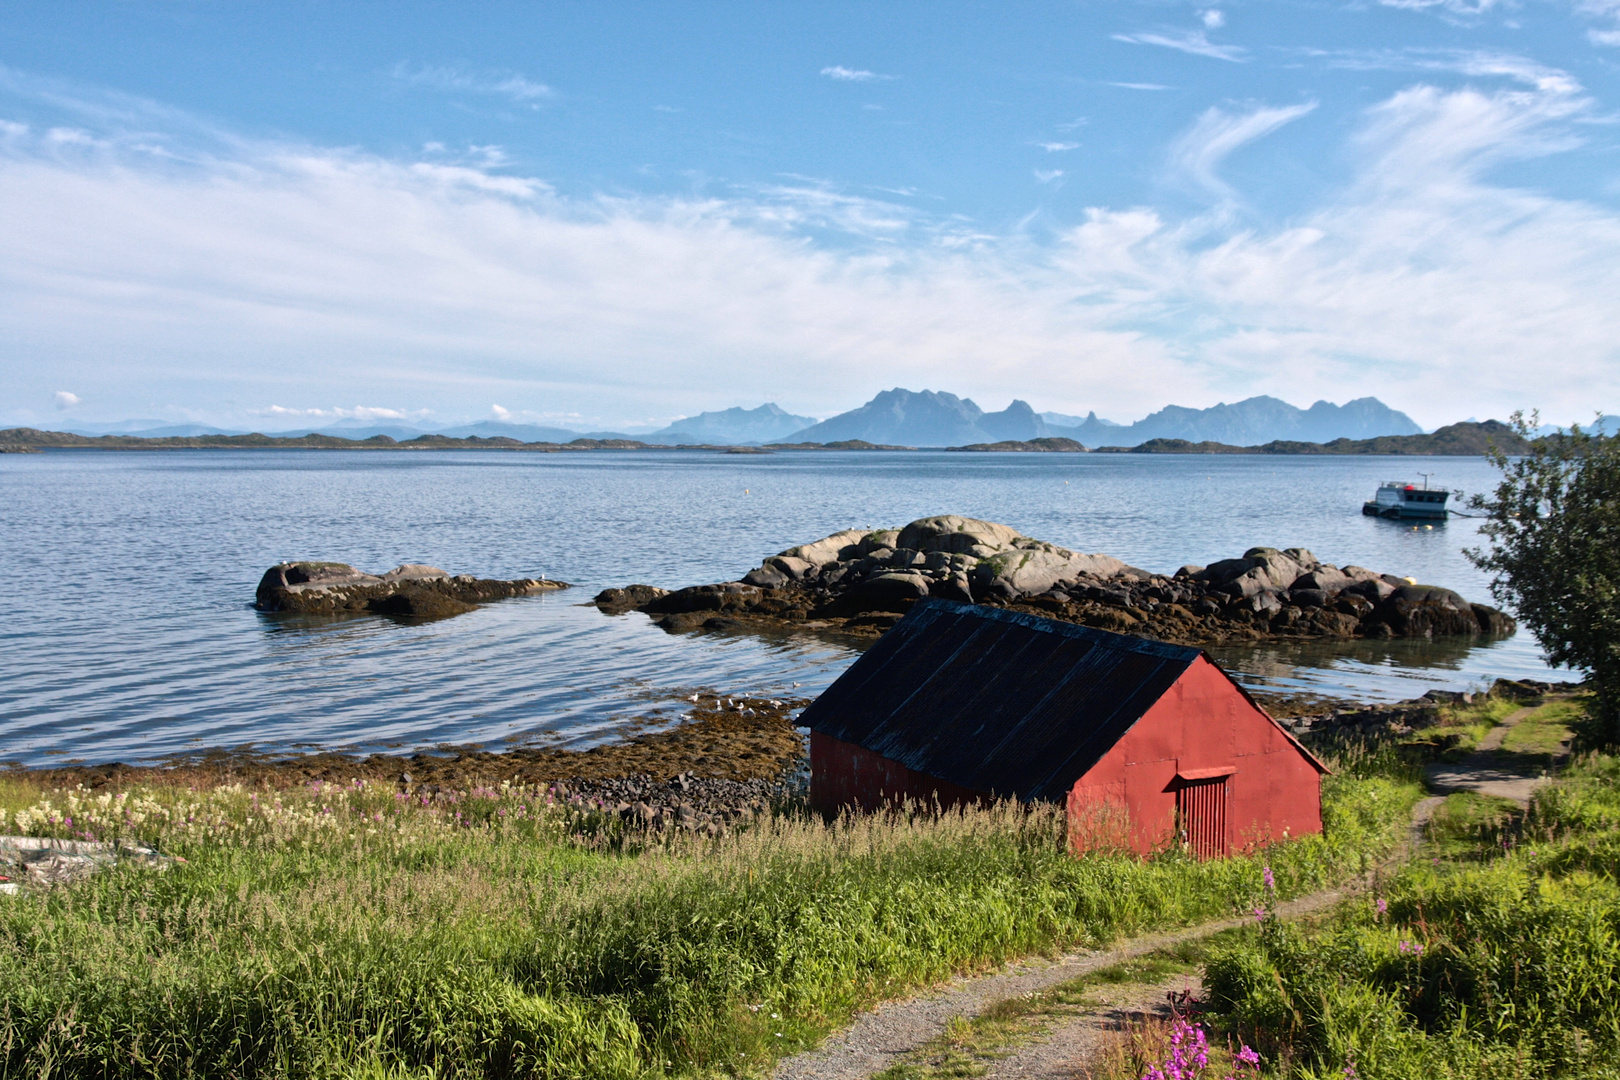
(1381,670)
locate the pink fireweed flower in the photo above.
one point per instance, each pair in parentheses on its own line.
(1382,905)
(1271,882)
(1259,914)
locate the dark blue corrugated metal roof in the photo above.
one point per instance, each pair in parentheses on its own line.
(996,700)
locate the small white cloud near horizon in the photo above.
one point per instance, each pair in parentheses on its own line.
(62,399)
(359,412)
(1195,43)
(843,74)
(503,415)
(1449,7)
(1056,147)
(507,84)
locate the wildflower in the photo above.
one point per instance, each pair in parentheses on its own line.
(1271,882)
(1259,914)
(1382,905)
(1248,1057)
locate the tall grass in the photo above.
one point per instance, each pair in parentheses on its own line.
(349,931)
(1506,969)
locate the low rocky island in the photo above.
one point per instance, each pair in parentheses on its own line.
(860,581)
(412,590)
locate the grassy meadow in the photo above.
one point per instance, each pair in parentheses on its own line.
(1495,954)
(353,931)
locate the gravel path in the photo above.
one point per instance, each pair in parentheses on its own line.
(1485,771)
(879,1038)
(1066,1051)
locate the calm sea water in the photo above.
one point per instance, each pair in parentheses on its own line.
(126,631)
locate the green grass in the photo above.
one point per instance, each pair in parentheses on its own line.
(345,931)
(1545,733)
(1471,826)
(1480,961)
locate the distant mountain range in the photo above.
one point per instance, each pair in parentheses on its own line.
(768,423)
(931,418)
(904,418)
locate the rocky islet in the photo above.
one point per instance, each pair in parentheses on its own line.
(860,581)
(409,591)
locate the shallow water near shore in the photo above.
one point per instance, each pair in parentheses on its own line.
(126,631)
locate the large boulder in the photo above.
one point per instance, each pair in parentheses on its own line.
(885,592)
(1030,571)
(829,549)
(1426,611)
(1324,578)
(951,533)
(727,594)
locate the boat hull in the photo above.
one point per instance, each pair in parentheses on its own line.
(1405,513)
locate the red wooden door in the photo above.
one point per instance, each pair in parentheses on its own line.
(1201,816)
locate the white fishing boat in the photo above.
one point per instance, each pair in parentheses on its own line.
(1403,501)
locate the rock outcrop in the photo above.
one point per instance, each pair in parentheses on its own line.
(861,581)
(411,591)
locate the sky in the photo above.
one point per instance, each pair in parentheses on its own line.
(610,215)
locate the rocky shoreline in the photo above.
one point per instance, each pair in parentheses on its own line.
(736,739)
(861,581)
(409,591)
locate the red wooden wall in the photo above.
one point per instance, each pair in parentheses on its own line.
(1238,778)
(1203,729)
(843,774)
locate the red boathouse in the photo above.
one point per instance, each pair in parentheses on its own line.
(1148,744)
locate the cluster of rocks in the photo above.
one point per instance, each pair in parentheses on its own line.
(43,862)
(696,804)
(860,581)
(412,590)
(1405,717)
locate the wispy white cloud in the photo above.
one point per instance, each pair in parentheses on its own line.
(844,74)
(1140,86)
(1608,10)
(1199,152)
(296,273)
(1447,7)
(359,412)
(1213,19)
(1195,42)
(507,84)
(1478,63)
(64,399)
(1058,147)
(1047,176)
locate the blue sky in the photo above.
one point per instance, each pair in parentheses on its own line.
(612,215)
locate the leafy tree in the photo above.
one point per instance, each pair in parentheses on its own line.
(1553,527)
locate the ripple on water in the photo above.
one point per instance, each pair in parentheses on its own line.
(126,632)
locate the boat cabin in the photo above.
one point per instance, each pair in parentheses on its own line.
(1398,499)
